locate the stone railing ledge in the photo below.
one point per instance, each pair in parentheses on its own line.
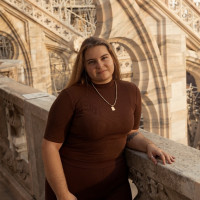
(177,181)
(13,91)
(23,119)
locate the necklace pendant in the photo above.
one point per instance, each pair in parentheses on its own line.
(113,108)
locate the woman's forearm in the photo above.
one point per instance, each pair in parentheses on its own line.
(135,140)
(53,169)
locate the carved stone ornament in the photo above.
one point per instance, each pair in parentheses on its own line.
(147,187)
(60,72)
(126,64)
(77,43)
(193,119)
(6,48)
(65,18)
(186,11)
(13,146)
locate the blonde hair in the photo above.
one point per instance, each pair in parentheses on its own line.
(79,74)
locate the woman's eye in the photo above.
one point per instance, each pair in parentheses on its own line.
(105,57)
(91,62)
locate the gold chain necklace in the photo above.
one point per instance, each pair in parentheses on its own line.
(112,105)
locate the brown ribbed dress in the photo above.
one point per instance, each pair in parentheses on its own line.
(94,138)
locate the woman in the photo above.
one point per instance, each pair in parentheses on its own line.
(89,125)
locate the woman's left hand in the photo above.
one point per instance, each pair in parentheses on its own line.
(153,152)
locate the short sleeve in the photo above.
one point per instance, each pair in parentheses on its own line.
(59,118)
(138,110)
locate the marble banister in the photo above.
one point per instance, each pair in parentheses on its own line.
(178,181)
(22,124)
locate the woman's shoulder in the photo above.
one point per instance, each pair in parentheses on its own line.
(129,89)
(75,87)
(75,91)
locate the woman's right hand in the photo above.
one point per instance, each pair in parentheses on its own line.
(69,196)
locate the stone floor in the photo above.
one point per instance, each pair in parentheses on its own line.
(5,194)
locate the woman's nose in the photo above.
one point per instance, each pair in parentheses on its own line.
(99,64)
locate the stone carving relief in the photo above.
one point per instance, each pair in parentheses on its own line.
(61,16)
(77,43)
(147,187)
(126,64)
(185,10)
(13,146)
(7,73)
(13,69)
(60,72)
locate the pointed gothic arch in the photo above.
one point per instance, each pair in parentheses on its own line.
(194,69)
(104,18)
(140,77)
(10,23)
(143,43)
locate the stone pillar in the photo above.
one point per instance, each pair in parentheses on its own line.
(40,59)
(176,81)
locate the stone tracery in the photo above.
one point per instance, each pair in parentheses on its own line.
(193,106)
(60,72)
(6,48)
(126,64)
(185,11)
(59,15)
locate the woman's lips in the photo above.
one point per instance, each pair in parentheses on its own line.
(101,72)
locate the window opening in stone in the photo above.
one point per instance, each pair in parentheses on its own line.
(60,72)
(193,109)
(6,48)
(190,80)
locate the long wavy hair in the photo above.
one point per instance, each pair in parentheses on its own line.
(79,74)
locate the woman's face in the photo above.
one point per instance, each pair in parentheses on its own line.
(99,64)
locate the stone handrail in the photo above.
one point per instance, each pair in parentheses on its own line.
(56,17)
(187,10)
(178,181)
(22,124)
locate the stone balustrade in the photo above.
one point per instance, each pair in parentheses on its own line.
(58,17)
(178,181)
(187,10)
(22,124)
(23,119)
